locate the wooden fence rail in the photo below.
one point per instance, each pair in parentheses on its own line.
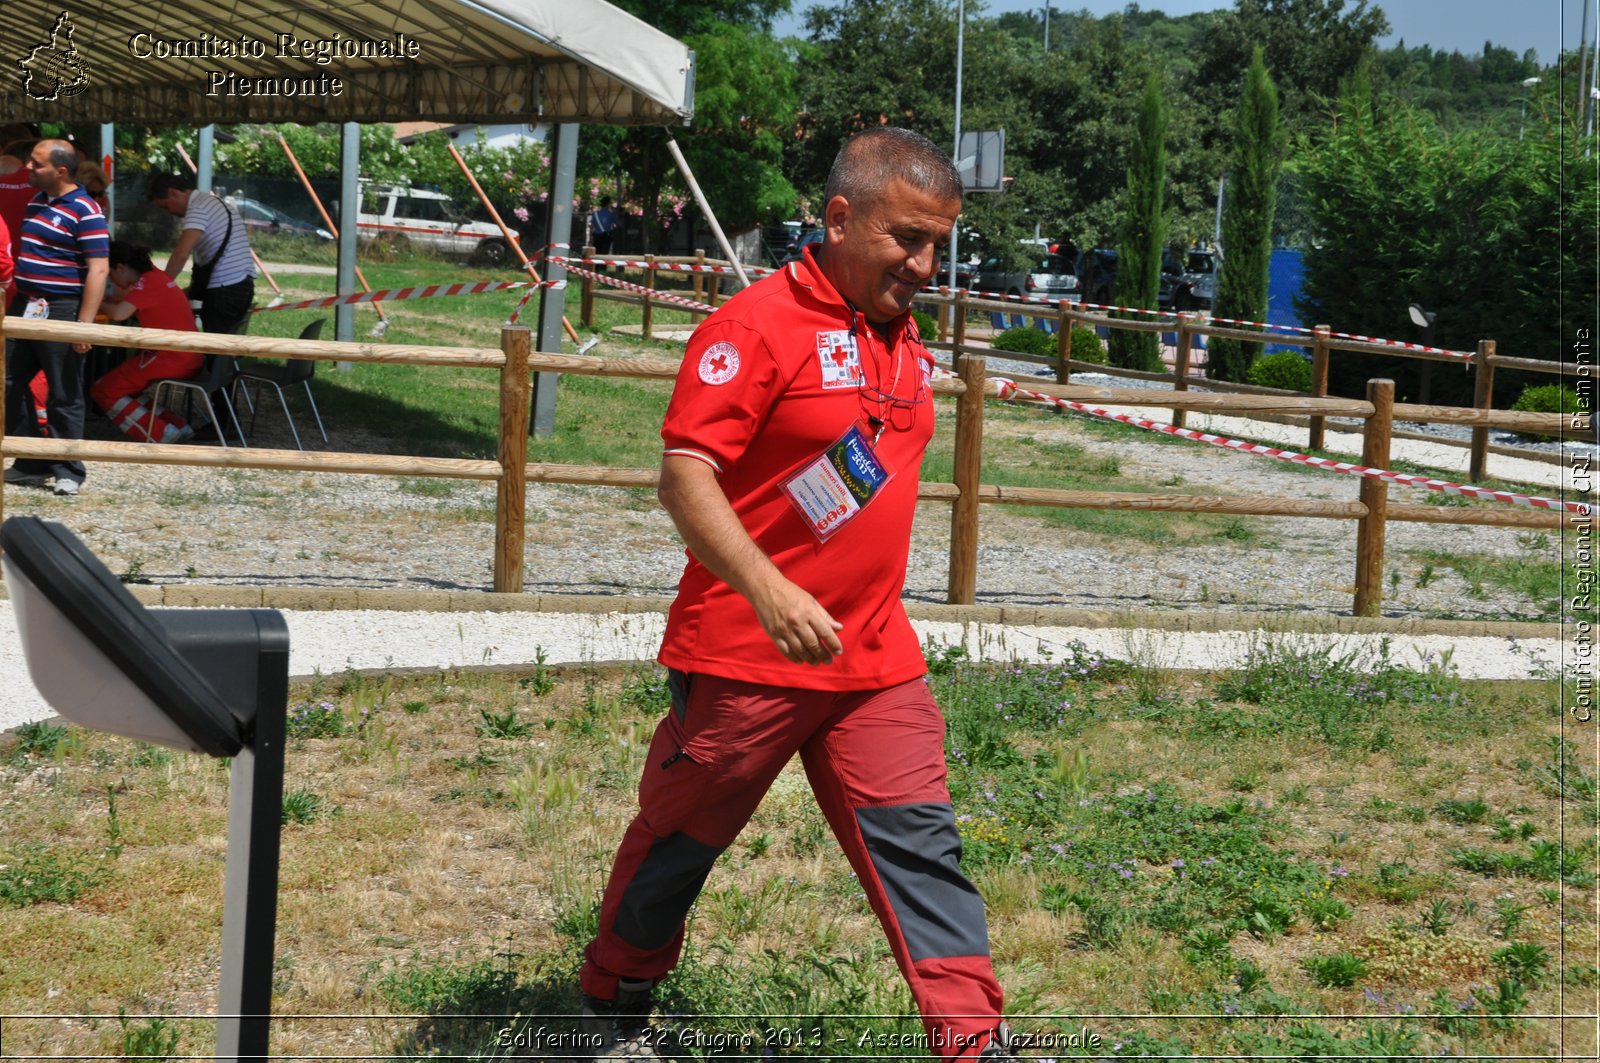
(516,362)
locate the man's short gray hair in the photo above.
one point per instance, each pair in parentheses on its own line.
(62,155)
(877,155)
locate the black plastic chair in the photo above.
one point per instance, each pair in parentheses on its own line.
(294,371)
(216,376)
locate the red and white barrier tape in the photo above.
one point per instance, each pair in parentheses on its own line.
(632,287)
(665,267)
(1178,315)
(431,291)
(1010,389)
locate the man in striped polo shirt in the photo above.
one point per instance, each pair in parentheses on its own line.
(223,277)
(61,272)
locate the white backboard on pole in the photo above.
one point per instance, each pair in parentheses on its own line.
(982,160)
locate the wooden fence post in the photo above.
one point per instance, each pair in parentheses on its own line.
(958,331)
(963,588)
(1375,496)
(699,278)
(944,320)
(1319,385)
(1180,368)
(1483,399)
(586,306)
(649,286)
(1064,345)
(511,490)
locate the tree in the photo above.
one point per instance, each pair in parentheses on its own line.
(1247,213)
(744,94)
(1494,235)
(1311,46)
(1143,232)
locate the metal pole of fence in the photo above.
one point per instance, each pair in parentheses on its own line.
(1483,399)
(1375,496)
(512,487)
(1319,385)
(963,587)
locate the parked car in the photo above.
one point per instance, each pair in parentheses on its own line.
(1097,274)
(797,249)
(404,217)
(1050,277)
(1192,282)
(259,217)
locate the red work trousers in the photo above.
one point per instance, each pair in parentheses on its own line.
(117,392)
(875,761)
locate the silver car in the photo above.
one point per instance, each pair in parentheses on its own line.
(1051,277)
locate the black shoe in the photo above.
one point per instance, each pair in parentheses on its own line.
(20,478)
(620,1029)
(1003,1046)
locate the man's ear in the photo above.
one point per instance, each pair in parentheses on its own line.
(835,215)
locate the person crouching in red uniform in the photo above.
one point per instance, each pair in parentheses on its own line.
(159,303)
(793,441)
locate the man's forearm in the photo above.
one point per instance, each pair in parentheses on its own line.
(181,251)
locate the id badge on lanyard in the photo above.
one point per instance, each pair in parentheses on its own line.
(832,489)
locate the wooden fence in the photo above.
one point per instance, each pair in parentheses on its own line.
(511,473)
(953,311)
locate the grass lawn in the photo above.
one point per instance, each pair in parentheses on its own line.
(1309,857)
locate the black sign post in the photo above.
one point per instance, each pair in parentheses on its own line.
(213,681)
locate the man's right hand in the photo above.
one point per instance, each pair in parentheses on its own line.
(799,626)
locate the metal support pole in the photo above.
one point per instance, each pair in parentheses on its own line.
(344,317)
(208,154)
(705,209)
(553,300)
(250,876)
(108,149)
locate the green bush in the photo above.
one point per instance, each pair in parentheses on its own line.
(1285,370)
(927,326)
(1086,346)
(1546,398)
(1027,340)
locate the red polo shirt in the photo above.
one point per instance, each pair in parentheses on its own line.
(769,382)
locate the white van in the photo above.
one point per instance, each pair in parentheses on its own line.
(431,221)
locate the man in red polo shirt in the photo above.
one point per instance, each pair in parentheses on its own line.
(159,303)
(793,443)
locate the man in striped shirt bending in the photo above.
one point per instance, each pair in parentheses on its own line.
(222,279)
(61,269)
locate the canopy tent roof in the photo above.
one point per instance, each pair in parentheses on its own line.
(194,62)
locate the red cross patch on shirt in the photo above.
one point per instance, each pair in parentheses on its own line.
(840,359)
(720,363)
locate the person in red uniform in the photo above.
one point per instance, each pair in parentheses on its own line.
(159,303)
(15,193)
(794,438)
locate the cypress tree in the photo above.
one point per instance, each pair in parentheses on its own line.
(1143,230)
(1247,209)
